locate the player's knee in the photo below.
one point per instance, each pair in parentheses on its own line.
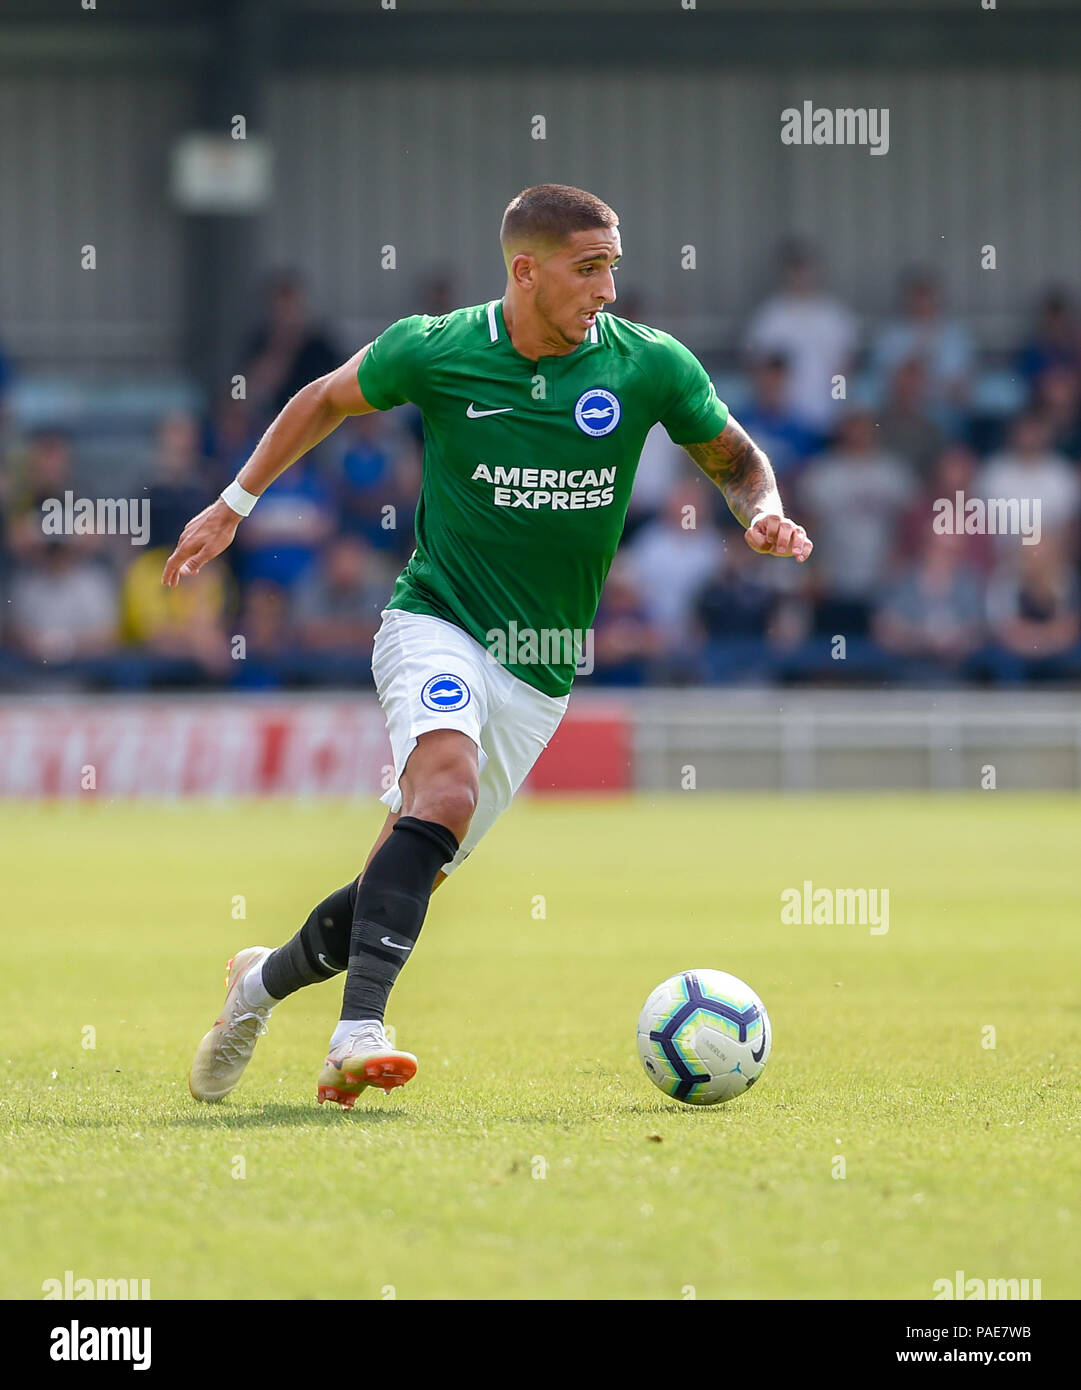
(449,803)
(440,782)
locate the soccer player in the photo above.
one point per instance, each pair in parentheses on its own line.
(535,409)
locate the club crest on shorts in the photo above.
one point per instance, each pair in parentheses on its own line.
(597,412)
(445,693)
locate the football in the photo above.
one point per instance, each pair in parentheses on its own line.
(704,1037)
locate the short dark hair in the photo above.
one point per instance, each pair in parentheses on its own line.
(796,253)
(552,212)
(919,277)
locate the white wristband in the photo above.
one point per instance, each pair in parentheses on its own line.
(242,502)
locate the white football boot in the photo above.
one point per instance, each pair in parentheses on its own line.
(364,1058)
(226,1050)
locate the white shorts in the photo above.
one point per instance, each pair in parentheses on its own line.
(430,674)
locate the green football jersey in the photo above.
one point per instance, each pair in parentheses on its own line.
(528,468)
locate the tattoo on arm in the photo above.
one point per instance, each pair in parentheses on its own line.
(740,469)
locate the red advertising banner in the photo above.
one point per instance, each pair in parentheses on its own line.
(591,751)
(213,748)
(326,746)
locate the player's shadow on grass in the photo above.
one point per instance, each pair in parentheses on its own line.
(645,1110)
(281,1113)
(207,1117)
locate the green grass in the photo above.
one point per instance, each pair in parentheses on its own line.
(957,1156)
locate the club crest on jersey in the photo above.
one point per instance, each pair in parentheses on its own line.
(445,693)
(597,412)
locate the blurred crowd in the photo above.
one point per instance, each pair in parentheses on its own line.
(871,430)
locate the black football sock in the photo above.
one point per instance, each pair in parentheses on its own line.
(391,903)
(319,950)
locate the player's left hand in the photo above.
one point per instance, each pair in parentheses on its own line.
(770,534)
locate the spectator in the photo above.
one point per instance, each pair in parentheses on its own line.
(625,641)
(1034,607)
(287,350)
(1056,337)
(771,422)
(6,375)
(1056,398)
(670,559)
(181,479)
(732,613)
(64,608)
(855,497)
(1028,470)
(922,332)
(6,378)
(178,634)
(45,470)
(375,472)
(336,610)
(5,525)
(233,435)
(632,306)
(264,626)
(905,427)
(812,331)
(955,471)
(279,541)
(438,293)
(934,616)
(660,469)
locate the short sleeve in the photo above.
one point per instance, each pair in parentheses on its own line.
(689,408)
(391,371)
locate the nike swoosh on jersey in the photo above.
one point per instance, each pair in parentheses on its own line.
(474,414)
(387,942)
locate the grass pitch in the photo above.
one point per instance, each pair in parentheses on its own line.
(531,1157)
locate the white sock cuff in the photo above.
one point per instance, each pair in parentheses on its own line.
(254,992)
(350,1025)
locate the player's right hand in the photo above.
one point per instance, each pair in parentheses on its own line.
(773,534)
(205,536)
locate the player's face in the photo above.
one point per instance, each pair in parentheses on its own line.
(575,282)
